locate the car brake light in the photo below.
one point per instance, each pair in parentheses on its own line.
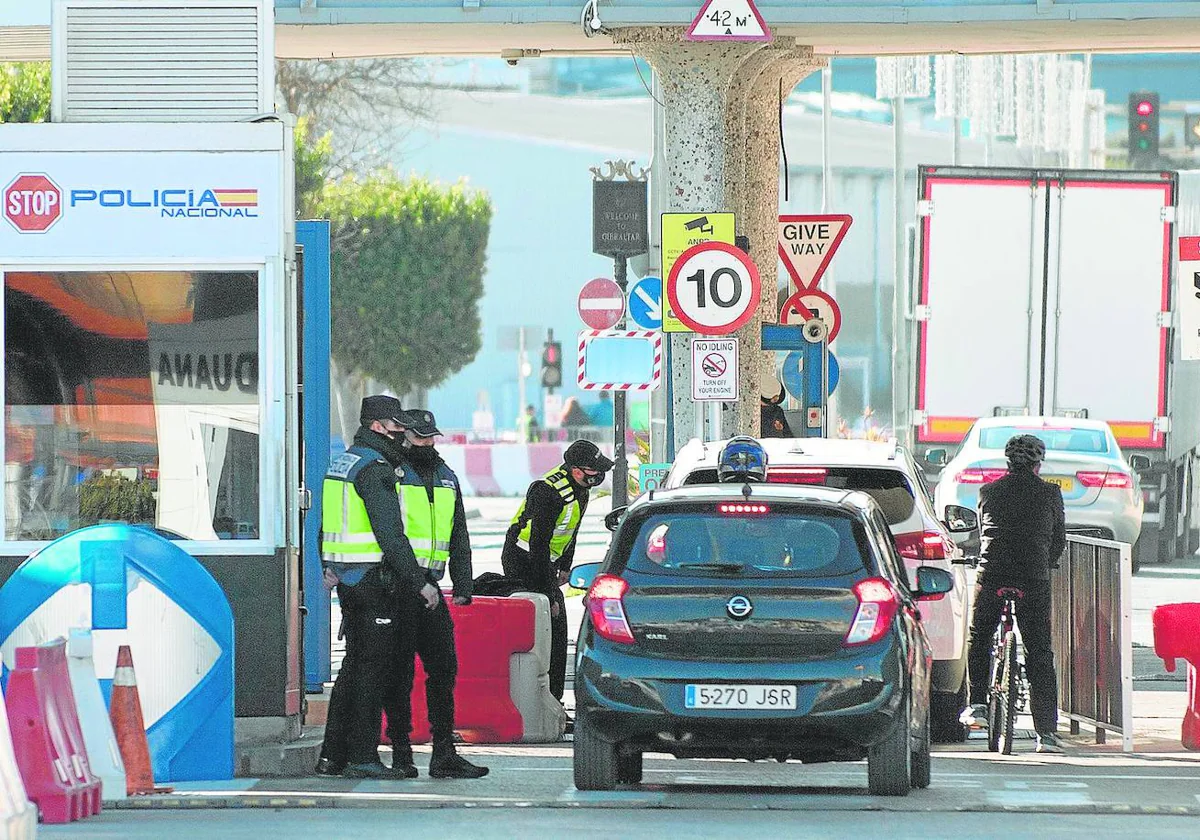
(976,475)
(877,605)
(743,508)
(607,609)
(797,475)
(1105,479)
(927,545)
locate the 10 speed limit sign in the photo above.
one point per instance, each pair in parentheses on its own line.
(714,288)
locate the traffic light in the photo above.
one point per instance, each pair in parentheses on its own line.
(1191,130)
(1143,130)
(552,364)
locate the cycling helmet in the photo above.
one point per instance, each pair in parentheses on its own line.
(742,459)
(1024,451)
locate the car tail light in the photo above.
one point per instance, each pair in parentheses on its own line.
(927,545)
(877,605)
(1105,479)
(743,509)
(607,608)
(797,475)
(976,475)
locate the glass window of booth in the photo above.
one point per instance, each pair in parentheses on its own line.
(134,397)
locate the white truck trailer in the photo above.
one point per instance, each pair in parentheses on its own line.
(1049,292)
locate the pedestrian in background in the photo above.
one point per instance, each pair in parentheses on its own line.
(433,525)
(540,544)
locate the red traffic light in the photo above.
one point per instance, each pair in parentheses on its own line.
(550,354)
(1145,108)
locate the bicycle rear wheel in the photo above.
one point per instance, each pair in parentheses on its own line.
(1009,693)
(995,698)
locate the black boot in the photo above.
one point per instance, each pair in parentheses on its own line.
(446,763)
(402,760)
(330,767)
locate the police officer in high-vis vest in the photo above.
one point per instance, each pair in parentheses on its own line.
(540,545)
(434,526)
(364,555)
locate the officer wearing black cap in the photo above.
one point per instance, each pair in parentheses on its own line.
(363,553)
(434,525)
(540,545)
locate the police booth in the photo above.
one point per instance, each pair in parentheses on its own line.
(149,360)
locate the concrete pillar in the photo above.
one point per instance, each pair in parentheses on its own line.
(722,134)
(752,190)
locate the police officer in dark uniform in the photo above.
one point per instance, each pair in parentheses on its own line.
(364,556)
(434,534)
(540,545)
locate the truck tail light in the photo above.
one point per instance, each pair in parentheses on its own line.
(978,475)
(606,606)
(877,605)
(1114,478)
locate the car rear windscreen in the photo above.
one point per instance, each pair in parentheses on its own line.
(1057,440)
(771,544)
(889,488)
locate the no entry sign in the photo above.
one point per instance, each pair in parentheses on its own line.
(601,303)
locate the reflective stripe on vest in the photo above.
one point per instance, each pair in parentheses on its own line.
(568,520)
(346,535)
(427,527)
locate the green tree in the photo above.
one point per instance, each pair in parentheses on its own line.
(408,262)
(313,155)
(115,498)
(24,92)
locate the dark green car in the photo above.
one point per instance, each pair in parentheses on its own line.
(753,621)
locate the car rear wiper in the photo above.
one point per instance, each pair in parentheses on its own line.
(731,568)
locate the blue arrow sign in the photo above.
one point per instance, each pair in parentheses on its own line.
(794,380)
(645,303)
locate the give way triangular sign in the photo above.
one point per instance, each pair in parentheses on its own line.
(728,20)
(807,244)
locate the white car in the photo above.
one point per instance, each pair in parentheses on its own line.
(887,473)
(1100,488)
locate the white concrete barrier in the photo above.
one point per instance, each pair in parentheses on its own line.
(18,816)
(544,718)
(98,737)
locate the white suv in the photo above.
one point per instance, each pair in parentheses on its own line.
(887,473)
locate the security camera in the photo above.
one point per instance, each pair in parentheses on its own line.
(814,330)
(512,62)
(589,19)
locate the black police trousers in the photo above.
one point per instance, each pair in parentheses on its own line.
(1033,620)
(429,634)
(363,683)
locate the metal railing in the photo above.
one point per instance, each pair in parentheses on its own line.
(1091,621)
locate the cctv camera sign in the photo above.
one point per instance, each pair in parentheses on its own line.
(681,231)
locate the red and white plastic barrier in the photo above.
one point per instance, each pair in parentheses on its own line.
(18,816)
(502,695)
(47,740)
(505,469)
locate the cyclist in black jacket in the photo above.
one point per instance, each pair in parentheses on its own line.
(1022,535)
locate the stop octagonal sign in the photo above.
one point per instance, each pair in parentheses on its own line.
(32,203)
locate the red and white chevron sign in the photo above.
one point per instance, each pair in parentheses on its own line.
(620,360)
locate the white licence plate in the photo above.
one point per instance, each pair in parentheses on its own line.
(726,696)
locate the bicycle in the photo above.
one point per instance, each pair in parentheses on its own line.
(1006,691)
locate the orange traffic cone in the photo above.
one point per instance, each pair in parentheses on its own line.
(125,710)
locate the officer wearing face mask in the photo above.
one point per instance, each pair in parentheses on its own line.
(364,556)
(540,545)
(434,531)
